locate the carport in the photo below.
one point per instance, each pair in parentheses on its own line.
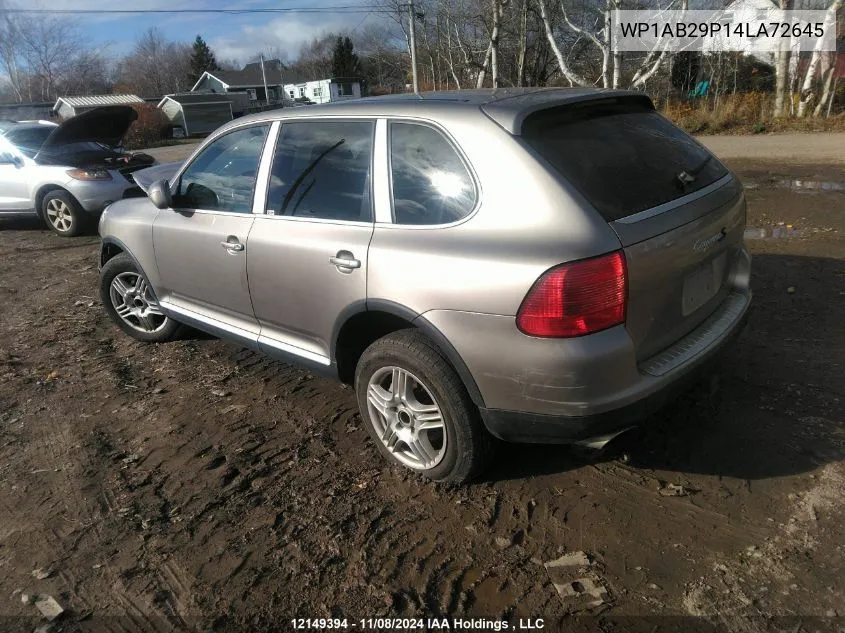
(197,113)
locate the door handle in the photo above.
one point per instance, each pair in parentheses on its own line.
(345,259)
(232,247)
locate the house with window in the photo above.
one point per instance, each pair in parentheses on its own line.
(246,86)
(321,90)
(248,83)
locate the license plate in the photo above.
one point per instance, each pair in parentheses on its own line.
(702,285)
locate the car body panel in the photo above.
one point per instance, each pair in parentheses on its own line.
(106,124)
(186,282)
(296,290)
(164,171)
(482,263)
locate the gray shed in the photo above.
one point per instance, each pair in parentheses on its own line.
(197,112)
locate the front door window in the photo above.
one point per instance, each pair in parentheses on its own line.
(222,177)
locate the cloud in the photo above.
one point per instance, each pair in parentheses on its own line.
(286,33)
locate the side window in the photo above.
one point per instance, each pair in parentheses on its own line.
(431,184)
(322,170)
(222,177)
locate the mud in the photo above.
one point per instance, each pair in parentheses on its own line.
(198,486)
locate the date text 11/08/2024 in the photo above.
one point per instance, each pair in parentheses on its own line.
(412,624)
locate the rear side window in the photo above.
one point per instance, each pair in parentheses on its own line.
(624,158)
(431,184)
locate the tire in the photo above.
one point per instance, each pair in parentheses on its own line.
(459,448)
(62,213)
(133,298)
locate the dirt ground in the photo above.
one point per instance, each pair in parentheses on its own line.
(198,486)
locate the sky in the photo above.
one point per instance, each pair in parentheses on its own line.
(236,37)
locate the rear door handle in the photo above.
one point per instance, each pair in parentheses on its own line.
(345,259)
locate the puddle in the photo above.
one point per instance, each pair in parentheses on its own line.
(776,233)
(811,185)
(800,186)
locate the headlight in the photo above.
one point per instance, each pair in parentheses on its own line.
(89,174)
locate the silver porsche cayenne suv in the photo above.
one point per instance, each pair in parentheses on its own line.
(529,265)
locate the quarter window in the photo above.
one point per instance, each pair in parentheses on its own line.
(322,170)
(223,176)
(431,184)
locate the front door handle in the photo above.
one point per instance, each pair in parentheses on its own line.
(232,247)
(345,260)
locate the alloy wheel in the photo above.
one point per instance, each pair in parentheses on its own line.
(406,418)
(134,302)
(59,215)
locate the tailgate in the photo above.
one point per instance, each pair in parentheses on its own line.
(678,212)
(679,263)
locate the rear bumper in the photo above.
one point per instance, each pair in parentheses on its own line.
(670,374)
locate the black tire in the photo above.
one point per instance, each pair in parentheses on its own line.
(469,447)
(76,219)
(123,264)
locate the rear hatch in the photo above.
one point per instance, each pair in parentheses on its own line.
(678,212)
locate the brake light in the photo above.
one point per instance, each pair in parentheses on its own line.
(576,299)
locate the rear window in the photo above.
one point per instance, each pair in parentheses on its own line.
(623,157)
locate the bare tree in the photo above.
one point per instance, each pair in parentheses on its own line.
(782,68)
(565,69)
(807,92)
(156,66)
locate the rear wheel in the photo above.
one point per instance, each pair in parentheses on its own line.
(129,301)
(63,214)
(418,411)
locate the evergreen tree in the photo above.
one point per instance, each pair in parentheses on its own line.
(202,59)
(345,62)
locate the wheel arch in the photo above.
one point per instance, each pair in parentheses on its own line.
(42,192)
(364,322)
(111,247)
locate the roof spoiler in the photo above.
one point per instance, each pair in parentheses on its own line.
(510,113)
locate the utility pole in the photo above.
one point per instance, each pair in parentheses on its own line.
(264,77)
(413,18)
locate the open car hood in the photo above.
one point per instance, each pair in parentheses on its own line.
(107,125)
(146,177)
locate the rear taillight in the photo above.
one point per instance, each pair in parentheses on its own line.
(576,299)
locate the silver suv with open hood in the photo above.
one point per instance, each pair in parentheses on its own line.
(67,174)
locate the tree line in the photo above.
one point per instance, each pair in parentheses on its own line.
(460,44)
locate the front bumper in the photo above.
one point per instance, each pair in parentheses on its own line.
(96,195)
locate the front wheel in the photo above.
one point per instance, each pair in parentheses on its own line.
(418,411)
(63,214)
(129,301)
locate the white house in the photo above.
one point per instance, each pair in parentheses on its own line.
(247,85)
(323,90)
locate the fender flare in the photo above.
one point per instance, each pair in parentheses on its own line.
(424,325)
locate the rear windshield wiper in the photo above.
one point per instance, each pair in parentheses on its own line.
(688,176)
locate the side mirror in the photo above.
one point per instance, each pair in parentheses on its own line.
(160,195)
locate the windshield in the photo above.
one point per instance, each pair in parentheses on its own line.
(623,157)
(29,140)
